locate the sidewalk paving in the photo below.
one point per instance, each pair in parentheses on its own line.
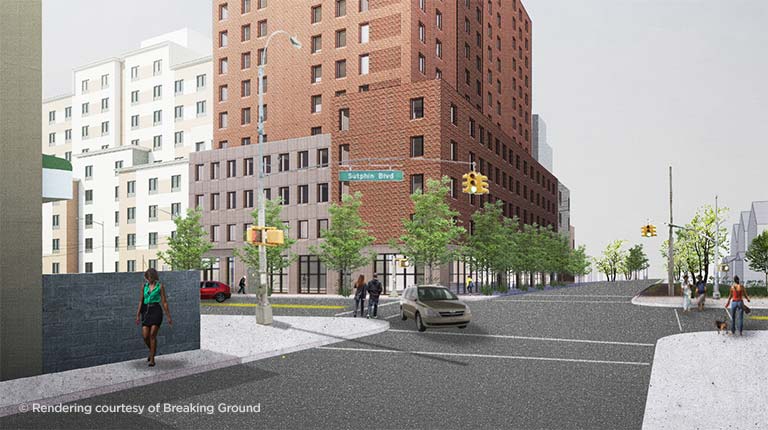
(225,340)
(728,389)
(677,302)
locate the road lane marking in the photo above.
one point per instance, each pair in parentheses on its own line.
(727,313)
(391,316)
(502,336)
(538,295)
(274,305)
(759,318)
(508,357)
(678,321)
(397,302)
(564,301)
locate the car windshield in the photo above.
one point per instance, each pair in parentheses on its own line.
(436,293)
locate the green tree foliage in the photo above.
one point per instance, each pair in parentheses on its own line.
(635,261)
(278,257)
(491,245)
(757,255)
(612,260)
(579,262)
(187,247)
(431,235)
(697,240)
(345,240)
(680,260)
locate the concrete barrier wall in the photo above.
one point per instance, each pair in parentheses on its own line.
(89,319)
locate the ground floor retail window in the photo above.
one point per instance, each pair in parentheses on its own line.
(278,281)
(212,272)
(402,277)
(463,267)
(312,275)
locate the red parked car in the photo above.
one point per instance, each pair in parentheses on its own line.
(215,290)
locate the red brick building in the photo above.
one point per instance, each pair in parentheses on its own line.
(400,84)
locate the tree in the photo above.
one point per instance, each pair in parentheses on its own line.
(187,247)
(680,261)
(698,239)
(278,257)
(579,262)
(635,261)
(612,260)
(432,233)
(489,246)
(344,241)
(757,255)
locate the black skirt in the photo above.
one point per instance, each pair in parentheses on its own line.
(151,314)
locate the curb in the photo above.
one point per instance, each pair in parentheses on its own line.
(226,361)
(708,304)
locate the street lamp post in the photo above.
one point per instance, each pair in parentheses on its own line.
(716,289)
(263,308)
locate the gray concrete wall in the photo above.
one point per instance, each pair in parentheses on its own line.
(89,319)
(20,188)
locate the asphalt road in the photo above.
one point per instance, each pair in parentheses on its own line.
(576,357)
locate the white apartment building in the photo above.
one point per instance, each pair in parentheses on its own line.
(128,129)
(751,224)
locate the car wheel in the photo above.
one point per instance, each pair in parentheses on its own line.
(403,316)
(220,297)
(462,326)
(419,325)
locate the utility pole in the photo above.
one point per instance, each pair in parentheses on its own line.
(670,251)
(716,289)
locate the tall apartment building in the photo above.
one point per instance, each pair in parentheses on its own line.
(541,150)
(128,129)
(751,224)
(425,86)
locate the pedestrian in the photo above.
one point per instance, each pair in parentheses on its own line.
(242,286)
(736,302)
(374,290)
(359,295)
(150,312)
(470,284)
(701,293)
(686,286)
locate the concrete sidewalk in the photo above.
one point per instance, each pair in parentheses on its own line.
(729,389)
(225,340)
(677,302)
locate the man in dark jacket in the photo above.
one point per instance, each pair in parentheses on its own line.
(374,290)
(242,286)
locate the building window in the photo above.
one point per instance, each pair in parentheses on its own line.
(283,162)
(178,113)
(317,103)
(472,127)
(88,198)
(422,33)
(341,8)
(67,135)
(303,229)
(157,117)
(248,166)
(223,119)
(84,131)
(285,195)
(157,142)
(55,268)
(364,62)
(245,33)
(231,200)
(214,233)
(364,33)
(417,183)
(245,88)
(438,19)
(262,28)
(223,39)
(153,212)
(363,6)
(322,225)
(422,64)
(317,14)
(303,159)
(200,82)
(175,209)
(439,48)
(317,74)
(322,193)
(223,65)
(231,168)
(178,87)
(266,164)
(314,131)
(341,69)
(245,60)
(454,151)
(134,73)
(322,157)
(344,119)
(157,67)
(417,146)
(215,201)
(341,38)
(88,172)
(131,215)
(245,116)
(223,12)
(245,6)
(454,188)
(248,198)
(152,185)
(215,167)
(317,44)
(303,194)
(417,108)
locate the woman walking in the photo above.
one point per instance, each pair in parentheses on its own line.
(150,313)
(736,302)
(686,294)
(359,295)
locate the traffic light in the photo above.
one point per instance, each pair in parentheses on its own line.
(644,231)
(265,236)
(470,182)
(482,184)
(652,230)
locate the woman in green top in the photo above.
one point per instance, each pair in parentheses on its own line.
(150,314)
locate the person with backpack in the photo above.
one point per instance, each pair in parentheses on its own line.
(374,290)
(736,303)
(242,286)
(360,287)
(701,293)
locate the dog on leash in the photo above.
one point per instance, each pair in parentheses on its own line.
(721,326)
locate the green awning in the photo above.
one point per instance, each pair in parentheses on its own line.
(51,162)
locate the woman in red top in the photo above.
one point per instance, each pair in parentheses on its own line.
(736,302)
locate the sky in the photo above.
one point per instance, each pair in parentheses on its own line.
(627,88)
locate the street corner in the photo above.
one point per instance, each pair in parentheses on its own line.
(732,367)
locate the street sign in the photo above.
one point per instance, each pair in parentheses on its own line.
(370,175)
